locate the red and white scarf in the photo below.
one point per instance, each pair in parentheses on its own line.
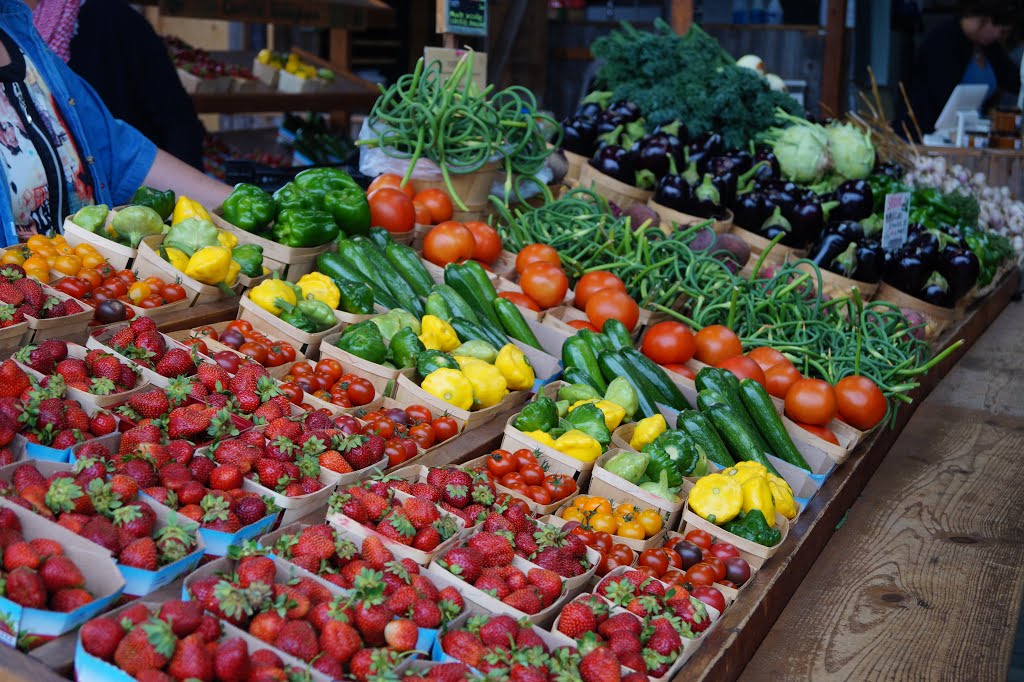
(56,21)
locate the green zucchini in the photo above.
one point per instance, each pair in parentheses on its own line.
(762,410)
(597,341)
(408,264)
(513,323)
(578,375)
(456,304)
(613,365)
(708,397)
(389,277)
(467,330)
(617,334)
(705,436)
(738,436)
(470,280)
(347,265)
(717,380)
(576,352)
(657,378)
(437,306)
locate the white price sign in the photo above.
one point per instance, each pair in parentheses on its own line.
(896,220)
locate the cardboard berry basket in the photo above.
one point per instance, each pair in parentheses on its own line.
(92,401)
(552,640)
(260,325)
(74,327)
(118,255)
(101,339)
(317,403)
(655,540)
(392,403)
(755,562)
(102,581)
(293,508)
(291,263)
(672,220)
(384,379)
(550,467)
(304,342)
(14,337)
(149,263)
(410,393)
(157,314)
(615,191)
(111,440)
(25,449)
(89,668)
(514,439)
(612,609)
(691,521)
(137,581)
(285,571)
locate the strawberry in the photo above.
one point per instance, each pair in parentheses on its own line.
(362,451)
(421,513)
(370,620)
(426,491)
(141,324)
(151,404)
(11,294)
(597,662)
(192,659)
(375,554)
(464,562)
(548,582)
(250,509)
(526,600)
(464,646)
(175,363)
(69,599)
(141,553)
(266,626)
(100,637)
(401,634)
(576,619)
(397,527)
(59,572)
(24,586)
(256,569)
(185,423)
(427,614)
(20,554)
(427,539)
(374,505)
(298,638)
(210,375)
(147,647)
(231,660)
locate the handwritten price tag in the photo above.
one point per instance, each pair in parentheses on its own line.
(896,220)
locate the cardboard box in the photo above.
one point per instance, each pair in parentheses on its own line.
(118,255)
(410,393)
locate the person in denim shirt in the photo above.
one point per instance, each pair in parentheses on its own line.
(60,148)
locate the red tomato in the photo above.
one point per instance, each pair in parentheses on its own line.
(423,435)
(501,462)
(532,474)
(486,242)
(173,293)
(602,542)
(778,379)
(437,203)
(538,494)
(861,403)
(392,209)
(655,559)
(395,451)
(582,324)
(198,344)
(717,564)
(422,213)
(767,357)
(700,538)
(449,242)
(724,550)
(612,304)
(419,413)
(821,432)
(737,570)
(444,428)
(393,181)
(669,343)
(592,282)
(361,392)
(544,283)
(685,370)
(532,253)
(812,401)
(521,300)
(256,351)
(559,486)
(329,367)
(524,457)
(710,596)
(292,391)
(716,343)
(743,368)
(701,574)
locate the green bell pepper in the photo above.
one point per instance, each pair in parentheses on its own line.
(356,297)
(299,228)
(160,201)
(349,208)
(364,340)
(430,360)
(249,258)
(622,393)
(589,419)
(405,348)
(319,313)
(577,392)
(91,218)
(753,526)
(292,196)
(539,415)
(249,207)
(324,179)
(388,324)
(295,317)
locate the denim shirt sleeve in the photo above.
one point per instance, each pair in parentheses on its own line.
(123,155)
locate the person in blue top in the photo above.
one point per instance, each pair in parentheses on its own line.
(61,149)
(968,49)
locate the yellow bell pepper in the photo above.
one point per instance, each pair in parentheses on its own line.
(209,265)
(186,208)
(320,287)
(717,498)
(782,495)
(177,258)
(541,437)
(578,445)
(232,277)
(743,471)
(646,430)
(758,495)
(515,367)
(489,386)
(226,239)
(436,334)
(266,292)
(613,412)
(263,56)
(451,386)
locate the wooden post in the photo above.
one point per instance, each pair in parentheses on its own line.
(681,16)
(833,72)
(340,56)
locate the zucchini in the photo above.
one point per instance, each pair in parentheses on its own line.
(467,330)
(613,365)
(738,436)
(405,261)
(597,341)
(707,398)
(762,410)
(617,334)
(697,426)
(456,304)
(513,323)
(389,277)
(576,352)
(347,265)
(578,375)
(717,380)
(657,378)
(470,280)
(380,237)
(437,306)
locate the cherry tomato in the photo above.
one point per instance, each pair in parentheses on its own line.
(117,287)
(710,596)
(532,474)
(150,302)
(422,213)
(701,574)
(743,368)
(411,449)
(292,391)
(518,487)
(383,427)
(392,209)
(592,282)
(623,552)
(521,300)
(419,413)
(228,360)
(602,542)
(423,435)
(198,344)
(393,181)
(582,324)
(675,578)
(544,283)
(91,277)
(674,560)
(449,242)
(444,428)
(655,559)
(276,356)
(612,304)
(724,550)
(347,423)
(685,370)
(73,286)
(256,351)
(138,291)
(778,379)
(240,325)
(609,563)
(559,486)
(126,276)
(717,564)
(767,357)
(861,403)
(821,432)
(486,242)
(500,463)
(206,331)
(511,477)
(330,367)
(155,283)
(361,392)
(716,343)
(737,570)
(668,343)
(812,401)
(524,457)
(395,451)
(701,538)
(538,494)
(438,205)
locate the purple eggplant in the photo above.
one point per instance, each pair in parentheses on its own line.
(726,184)
(870,262)
(772,170)
(750,210)
(676,130)
(828,249)
(736,162)
(707,200)
(807,219)
(960,268)
(673,192)
(609,122)
(625,109)
(907,271)
(616,162)
(936,291)
(777,224)
(652,152)
(926,243)
(588,110)
(580,136)
(856,201)
(850,229)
